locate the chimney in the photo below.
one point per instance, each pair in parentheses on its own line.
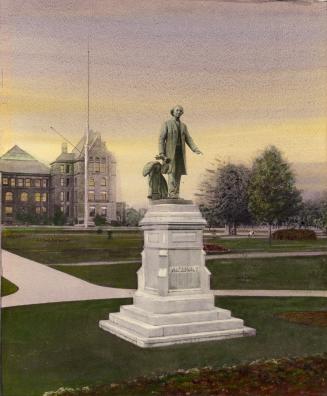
(64,148)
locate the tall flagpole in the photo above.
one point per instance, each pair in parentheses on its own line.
(86,146)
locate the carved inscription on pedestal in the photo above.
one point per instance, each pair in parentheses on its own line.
(184,277)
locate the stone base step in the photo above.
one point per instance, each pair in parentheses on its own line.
(158,341)
(148,330)
(174,303)
(136,313)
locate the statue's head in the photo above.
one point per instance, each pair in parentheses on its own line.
(177,111)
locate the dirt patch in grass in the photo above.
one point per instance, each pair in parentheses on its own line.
(305,376)
(311,318)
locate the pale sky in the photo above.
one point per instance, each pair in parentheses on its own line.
(248,74)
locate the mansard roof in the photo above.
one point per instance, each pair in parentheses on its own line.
(17,160)
(65,157)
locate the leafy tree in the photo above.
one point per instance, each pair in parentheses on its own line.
(273,196)
(132,217)
(225,196)
(231,195)
(310,214)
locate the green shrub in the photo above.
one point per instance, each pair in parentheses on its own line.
(11,234)
(292,234)
(99,230)
(99,220)
(59,217)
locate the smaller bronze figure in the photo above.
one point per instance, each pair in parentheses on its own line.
(157,183)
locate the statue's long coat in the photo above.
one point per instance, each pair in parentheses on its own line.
(168,141)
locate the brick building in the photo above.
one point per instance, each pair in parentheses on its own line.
(67,181)
(28,186)
(25,186)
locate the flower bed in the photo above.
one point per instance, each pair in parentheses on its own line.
(305,376)
(212,248)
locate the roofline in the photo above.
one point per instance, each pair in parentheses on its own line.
(24,174)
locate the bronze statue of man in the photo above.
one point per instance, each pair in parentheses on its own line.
(173,136)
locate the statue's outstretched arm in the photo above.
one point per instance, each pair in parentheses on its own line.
(189,141)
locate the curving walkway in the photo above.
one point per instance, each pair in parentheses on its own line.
(271,293)
(39,284)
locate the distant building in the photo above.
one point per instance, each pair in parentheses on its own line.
(30,186)
(25,186)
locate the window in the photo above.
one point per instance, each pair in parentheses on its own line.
(44,197)
(75,196)
(92,211)
(75,180)
(24,197)
(67,182)
(44,183)
(91,195)
(102,168)
(67,210)
(37,210)
(104,211)
(97,165)
(20,182)
(12,182)
(27,182)
(8,196)
(91,182)
(8,210)
(62,181)
(37,197)
(91,166)
(103,195)
(44,209)
(62,168)
(67,168)
(62,196)
(5,181)
(62,209)
(67,196)
(103,181)
(37,183)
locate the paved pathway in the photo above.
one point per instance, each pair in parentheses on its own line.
(265,254)
(271,293)
(214,257)
(39,284)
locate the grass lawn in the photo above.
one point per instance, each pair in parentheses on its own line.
(307,273)
(50,248)
(67,246)
(51,345)
(7,287)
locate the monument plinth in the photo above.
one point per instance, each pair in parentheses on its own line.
(173,303)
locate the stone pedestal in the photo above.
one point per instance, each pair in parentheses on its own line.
(173,303)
